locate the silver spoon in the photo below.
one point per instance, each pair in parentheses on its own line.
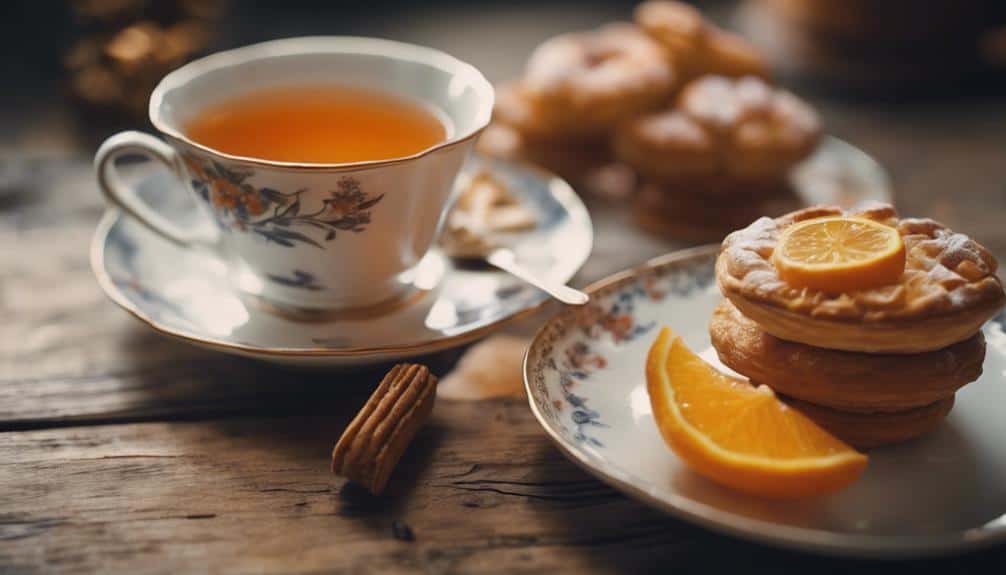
(506,260)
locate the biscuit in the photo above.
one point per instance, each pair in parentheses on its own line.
(948,290)
(375,440)
(843,380)
(869,430)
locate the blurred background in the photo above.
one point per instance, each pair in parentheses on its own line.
(910,81)
(95,61)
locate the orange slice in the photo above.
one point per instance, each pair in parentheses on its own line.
(839,254)
(739,435)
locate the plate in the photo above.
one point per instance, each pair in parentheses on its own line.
(187,293)
(584,373)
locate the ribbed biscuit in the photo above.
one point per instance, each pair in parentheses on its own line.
(948,289)
(843,380)
(377,437)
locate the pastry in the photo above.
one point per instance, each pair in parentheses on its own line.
(947,291)
(583,83)
(843,380)
(574,159)
(688,213)
(723,135)
(696,46)
(870,430)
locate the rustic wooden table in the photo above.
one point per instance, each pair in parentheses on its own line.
(126,451)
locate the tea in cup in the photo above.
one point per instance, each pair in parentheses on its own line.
(326,163)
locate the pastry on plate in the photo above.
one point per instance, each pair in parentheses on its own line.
(696,46)
(584,83)
(871,430)
(723,136)
(923,288)
(843,380)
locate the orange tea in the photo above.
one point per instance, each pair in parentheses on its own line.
(317,124)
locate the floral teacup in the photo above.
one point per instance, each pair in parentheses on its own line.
(302,234)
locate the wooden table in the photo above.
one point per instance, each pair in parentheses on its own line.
(126,451)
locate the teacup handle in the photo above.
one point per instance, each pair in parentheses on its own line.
(120,194)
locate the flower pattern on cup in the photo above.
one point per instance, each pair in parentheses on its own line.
(278,216)
(299,279)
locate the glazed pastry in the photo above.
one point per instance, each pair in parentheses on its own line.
(695,46)
(947,291)
(681,212)
(574,159)
(843,380)
(586,82)
(870,430)
(728,134)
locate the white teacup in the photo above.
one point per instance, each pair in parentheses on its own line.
(357,228)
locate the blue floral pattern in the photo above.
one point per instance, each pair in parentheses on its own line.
(297,279)
(274,215)
(612,318)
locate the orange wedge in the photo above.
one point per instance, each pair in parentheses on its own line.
(839,254)
(739,435)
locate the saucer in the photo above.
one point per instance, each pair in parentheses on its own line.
(584,373)
(187,293)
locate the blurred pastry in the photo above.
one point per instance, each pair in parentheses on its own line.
(584,83)
(696,46)
(723,135)
(691,215)
(573,159)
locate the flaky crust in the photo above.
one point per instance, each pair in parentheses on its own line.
(947,291)
(869,430)
(840,379)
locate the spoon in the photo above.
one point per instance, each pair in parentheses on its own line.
(506,260)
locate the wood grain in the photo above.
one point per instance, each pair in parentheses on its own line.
(126,451)
(481,490)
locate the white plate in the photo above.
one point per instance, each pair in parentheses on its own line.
(187,293)
(584,373)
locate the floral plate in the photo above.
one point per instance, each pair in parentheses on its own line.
(584,374)
(187,293)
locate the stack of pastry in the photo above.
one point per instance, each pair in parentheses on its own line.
(867,323)
(578,87)
(719,158)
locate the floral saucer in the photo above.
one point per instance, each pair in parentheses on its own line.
(187,294)
(584,374)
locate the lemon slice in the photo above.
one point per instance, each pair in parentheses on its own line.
(839,254)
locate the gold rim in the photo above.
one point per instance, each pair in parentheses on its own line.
(564,195)
(302,45)
(726,522)
(113,293)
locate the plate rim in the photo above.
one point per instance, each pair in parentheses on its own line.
(817,541)
(557,187)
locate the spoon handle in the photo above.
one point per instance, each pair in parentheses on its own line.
(506,260)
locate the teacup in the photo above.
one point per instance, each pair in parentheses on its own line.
(370,222)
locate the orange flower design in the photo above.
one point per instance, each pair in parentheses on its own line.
(279,217)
